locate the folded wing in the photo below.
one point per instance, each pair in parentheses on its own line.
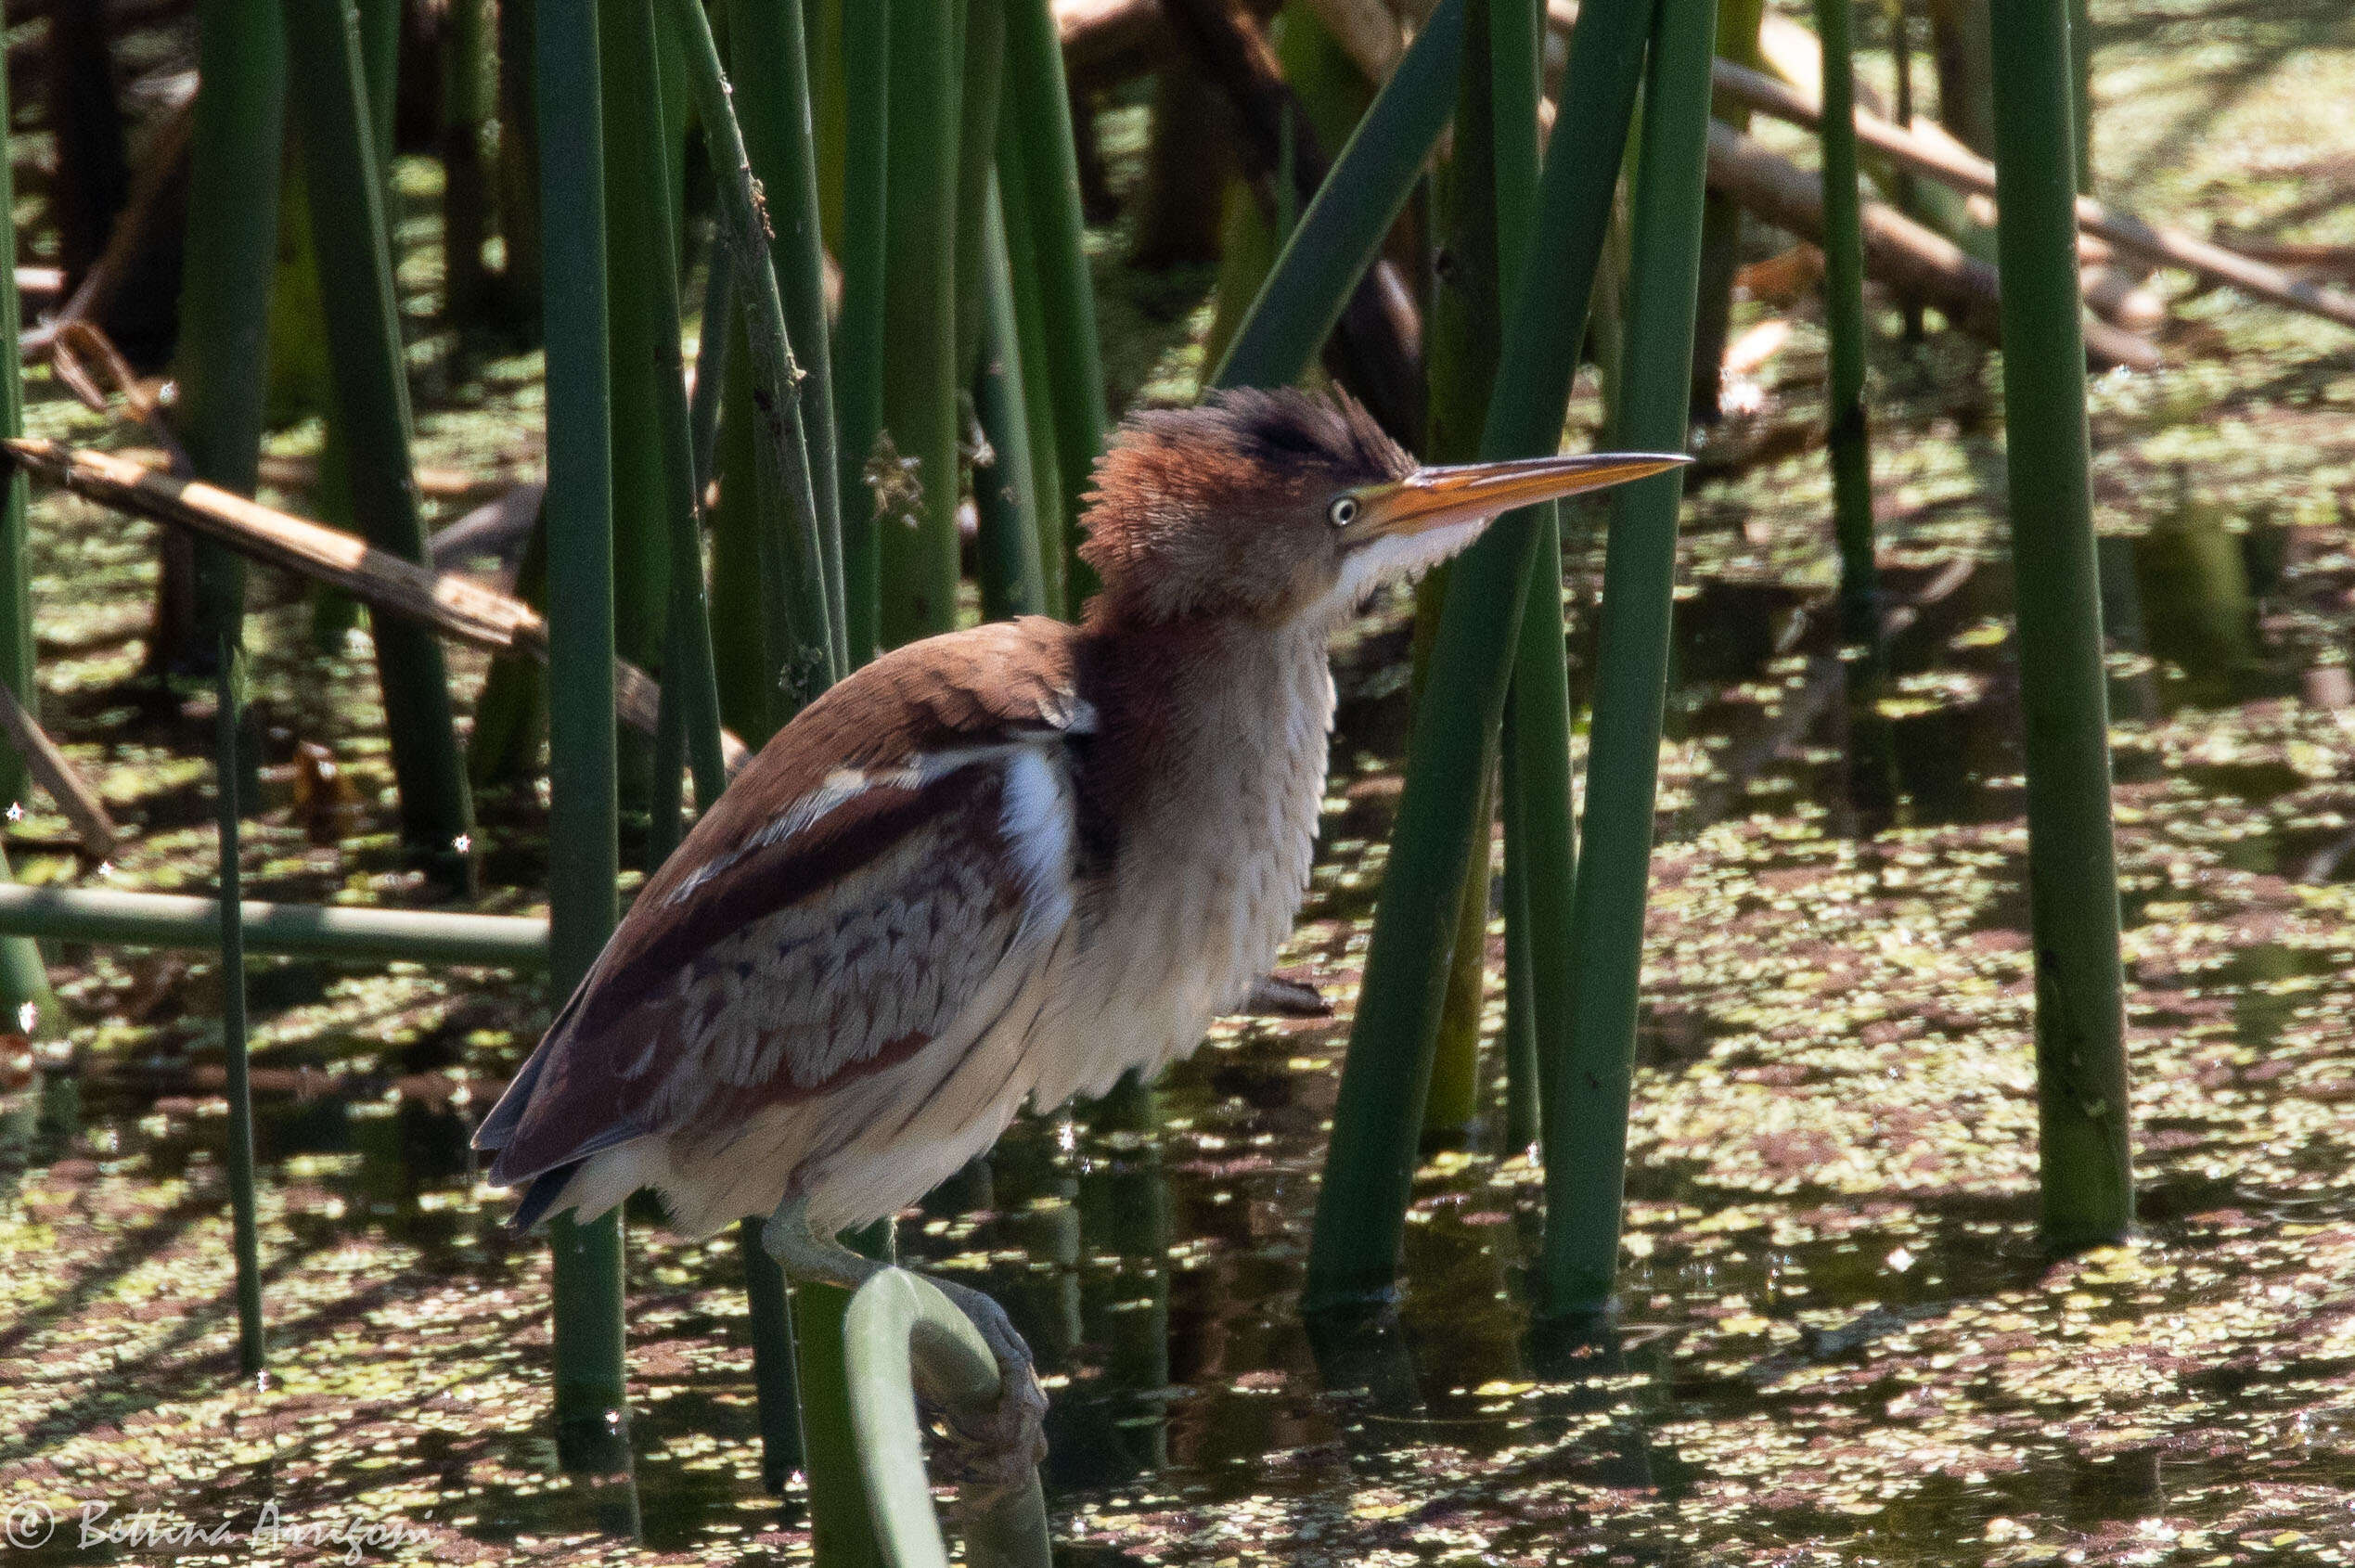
(890,852)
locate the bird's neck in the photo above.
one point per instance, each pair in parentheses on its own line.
(1199,706)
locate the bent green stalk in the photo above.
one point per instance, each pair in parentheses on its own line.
(2084,1154)
(1368,1174)
(1849,442)
(584,854)
(1587,1120)
(353,247)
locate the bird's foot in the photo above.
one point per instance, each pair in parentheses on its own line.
(991,1452)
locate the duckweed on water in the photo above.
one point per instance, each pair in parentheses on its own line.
(1839,1343)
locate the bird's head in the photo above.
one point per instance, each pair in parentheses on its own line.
(1273,507)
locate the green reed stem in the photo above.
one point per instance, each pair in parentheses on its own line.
(1541,835)
(1038,393)
(1370,1169)
(2085,1158)
(1038,125)
(1340,234)
(1460,367)
(800,634)
(917,559)
(642,329)
(710,376)
(230,249)
(776,1386)
(584,854)
(981,51)
(1521,1092)
(768,47)
(1849,443)
(353,246)
(469,62)
(1012,564)
(858,344)
(1587,1121)
(245,1229)
(379,34)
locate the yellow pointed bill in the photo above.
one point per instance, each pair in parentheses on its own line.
(1431,498)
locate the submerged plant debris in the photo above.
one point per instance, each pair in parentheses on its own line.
(1840,1342)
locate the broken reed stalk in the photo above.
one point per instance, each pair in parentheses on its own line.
(451,604)
(1586,1121)
(343,933)
(47,767)
(1849,439)
(798,616)
(917,559)
(584,850)
(2084,1153)
(1915,261)
(1370,1169)
(353,246)
(1958,167)
(769,55)
(1038,134)
(245,1229)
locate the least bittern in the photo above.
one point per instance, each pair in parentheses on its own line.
(1007,864)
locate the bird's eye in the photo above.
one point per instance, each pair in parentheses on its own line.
(1344,510)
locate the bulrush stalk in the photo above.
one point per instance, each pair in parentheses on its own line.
(1038,126)
(231,244)
(916,562)
(858,333)
(1010,555)
(768,54)
(1369,1173)
(798,617)
(2084,1151)
(1586,1122)
(1849,442)
(584,854)
(353,247)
